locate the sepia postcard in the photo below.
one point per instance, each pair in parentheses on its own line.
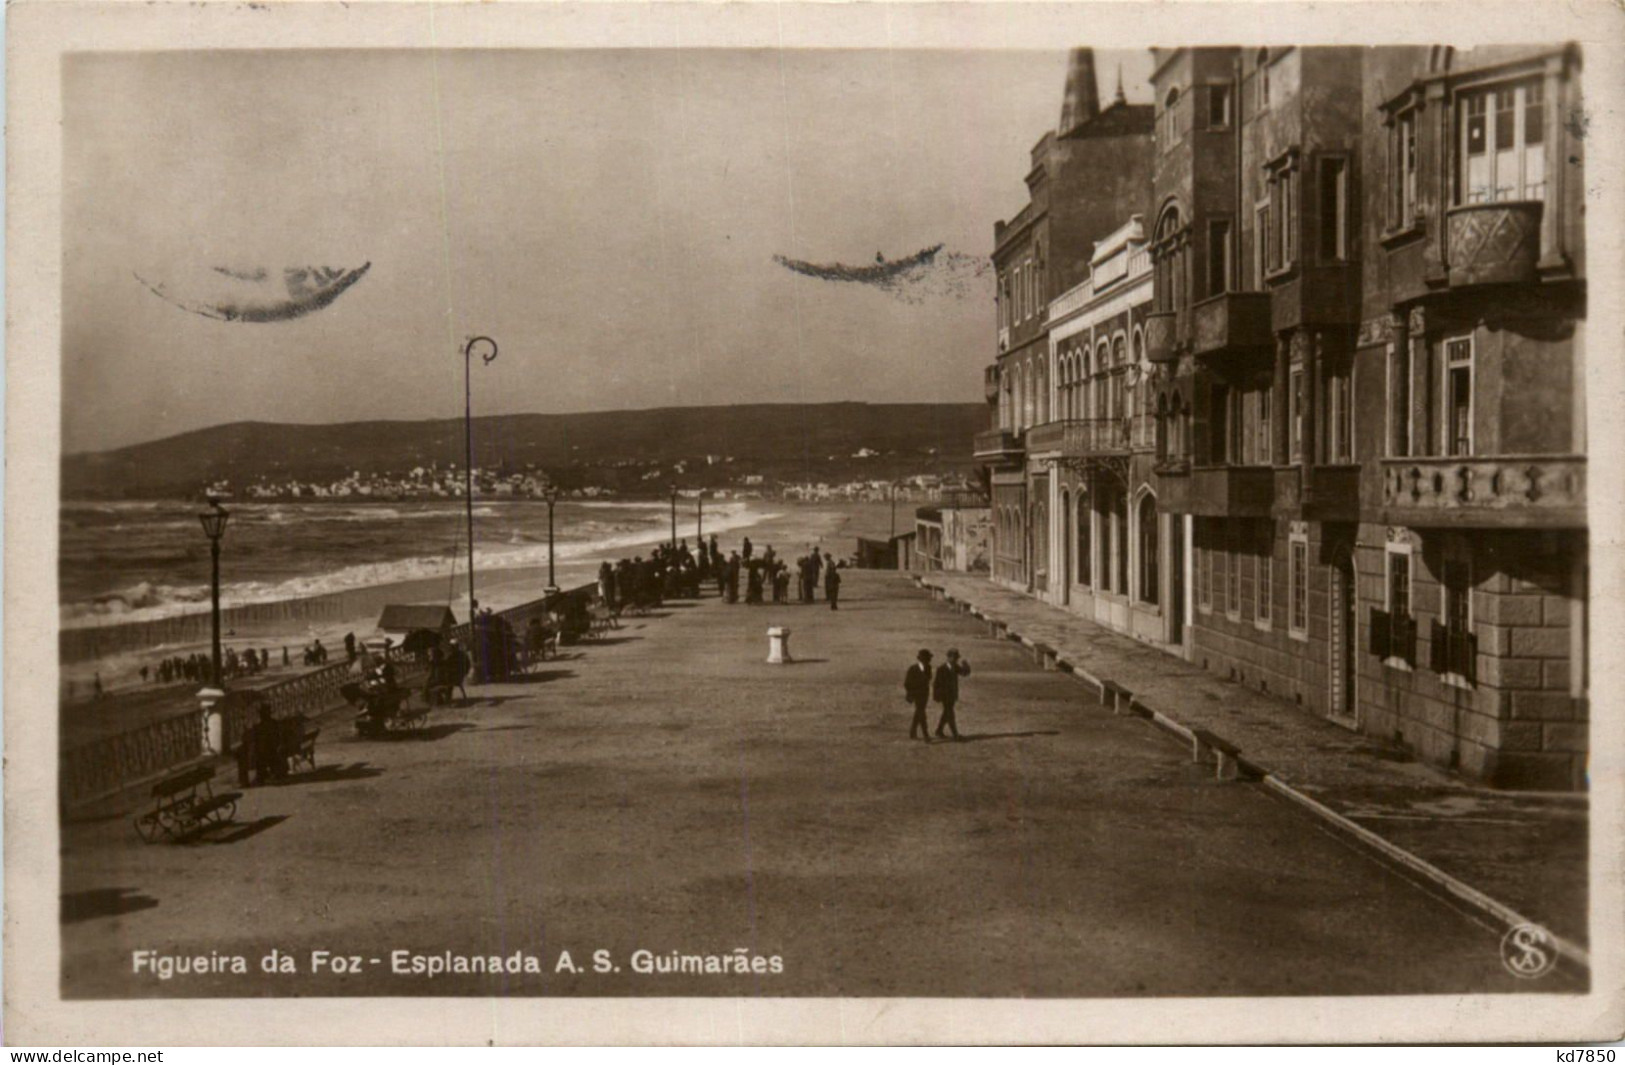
(813,523)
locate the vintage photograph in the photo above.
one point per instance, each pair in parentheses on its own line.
(1075,522)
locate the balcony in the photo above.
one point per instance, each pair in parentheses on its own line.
(997,446)
(1162,336)
(1493,243)
(1232,491)
(1332,494)
(1077,438)
(1508,491)
(1174,486)
(1232,321)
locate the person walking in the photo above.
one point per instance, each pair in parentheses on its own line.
(917,690)
(814,564)
(945,690)
(832,585)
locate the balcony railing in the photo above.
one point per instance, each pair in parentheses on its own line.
(1233,321)
(1519,491)
(1080,437)
(1494,243)
(997,445)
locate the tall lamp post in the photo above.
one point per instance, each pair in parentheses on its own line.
(214,527)
(214,726)
(674,517)
(468,441)
(699,520)
(894,510)
(552,496)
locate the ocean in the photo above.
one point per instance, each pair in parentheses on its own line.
(141,561)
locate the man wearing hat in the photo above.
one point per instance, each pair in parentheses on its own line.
(946,689)
(917,689)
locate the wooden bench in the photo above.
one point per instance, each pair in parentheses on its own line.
(1115,695)
(1227,756)
(184,803)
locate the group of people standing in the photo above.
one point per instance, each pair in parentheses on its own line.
(198,667)
(769,575)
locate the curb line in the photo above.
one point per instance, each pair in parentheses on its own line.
(1497,911)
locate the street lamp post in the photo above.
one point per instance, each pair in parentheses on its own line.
(552,497)
(699,520)
(674,517)
(894,510)
(468,442)
(214,527)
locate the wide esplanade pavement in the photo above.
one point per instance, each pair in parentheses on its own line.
(667,791)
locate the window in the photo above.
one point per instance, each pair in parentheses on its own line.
(1170,130)
(1458,393)
(1232,598)
(1218,256)
(1299,577)
(1266,445)
(1403,157)
(1295,415)
(1502,144)
(1148,550)
(1218,106)
(1339,425)
(1204,576)
(1263,78)
(1236,440)
(1455,649)
(1399,400)
(1334,209)
(1263,589)
(1120,541)
(1261,244)
(1281,245)
(1394,630)
(1218,423)
(1288,218)
(1084,556)
(1221,558)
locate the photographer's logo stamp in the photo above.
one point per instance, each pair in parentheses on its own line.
(1528,951)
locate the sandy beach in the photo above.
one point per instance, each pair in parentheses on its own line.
(789,526)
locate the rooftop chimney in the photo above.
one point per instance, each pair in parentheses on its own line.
(1082,100)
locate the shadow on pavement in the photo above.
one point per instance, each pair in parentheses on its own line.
(977,737)
(103,902)
(541,676)
(505,728)
(243,831)
(326,773)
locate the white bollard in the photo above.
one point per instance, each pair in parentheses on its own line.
(214,723)
(778,645)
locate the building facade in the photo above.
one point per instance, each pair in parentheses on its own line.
(1341,457)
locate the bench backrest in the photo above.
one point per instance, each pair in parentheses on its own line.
(191,778)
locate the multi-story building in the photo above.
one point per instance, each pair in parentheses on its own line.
(1345,464)
(1086,177)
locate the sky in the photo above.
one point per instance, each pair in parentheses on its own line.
(610,218)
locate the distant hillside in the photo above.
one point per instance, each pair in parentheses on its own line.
(779,441)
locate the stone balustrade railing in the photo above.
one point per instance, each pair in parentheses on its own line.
(1525,489)
(103,766)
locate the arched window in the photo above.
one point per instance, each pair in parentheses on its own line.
(1119,404)
(1168,265)
(1148,548)
(1042,388)
(1102,368)
(1019,399)
(1005,414)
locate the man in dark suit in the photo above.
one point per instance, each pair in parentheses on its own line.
(917,689)
(832,583)
(946,690)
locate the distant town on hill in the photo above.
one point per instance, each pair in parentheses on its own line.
(767,449)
